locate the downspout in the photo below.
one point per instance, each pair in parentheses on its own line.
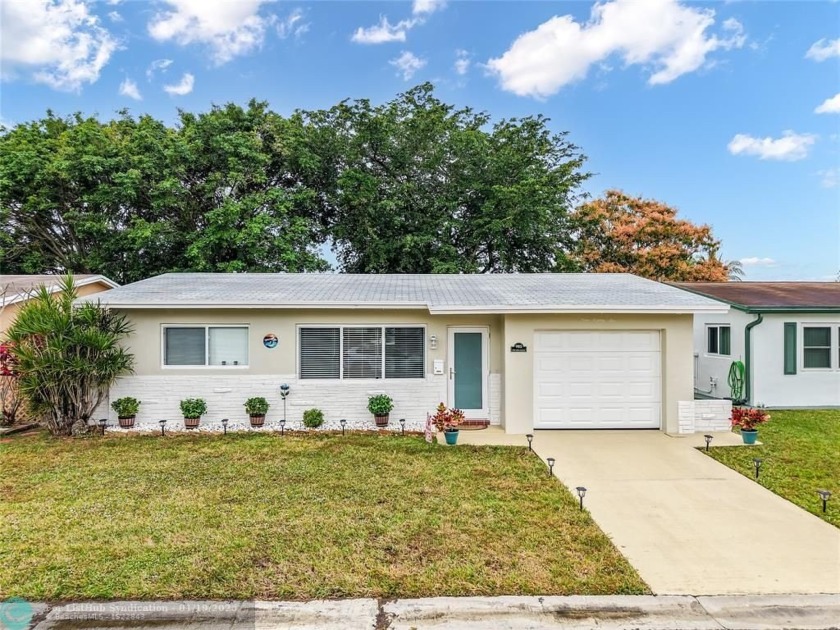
(748,356)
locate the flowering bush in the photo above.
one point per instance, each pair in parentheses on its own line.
(747,418)
(447,419)
(10,398)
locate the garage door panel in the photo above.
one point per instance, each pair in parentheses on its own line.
(597,379)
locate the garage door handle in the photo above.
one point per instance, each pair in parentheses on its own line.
(451,372)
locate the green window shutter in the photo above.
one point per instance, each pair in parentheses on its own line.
(790,347)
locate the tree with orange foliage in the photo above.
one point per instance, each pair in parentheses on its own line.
(623,234)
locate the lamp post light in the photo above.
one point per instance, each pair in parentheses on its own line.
(402,426)
(708,439)
(343,422)
(162,424)
(530,437)
(581,493)
(103,422)
(757,464)
(282,427)
(824,496)
(284,392)
(224,425)
(550,461)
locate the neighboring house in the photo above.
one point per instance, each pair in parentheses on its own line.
(16,289)
(521,350)
(787,334)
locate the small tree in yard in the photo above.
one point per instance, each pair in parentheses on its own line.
(67,357)
(10,398)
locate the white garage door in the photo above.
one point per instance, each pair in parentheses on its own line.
(597,380)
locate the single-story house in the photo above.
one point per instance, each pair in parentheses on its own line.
(16,289)
(524,351)
(786,334)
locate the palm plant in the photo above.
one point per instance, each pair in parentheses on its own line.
(67,356)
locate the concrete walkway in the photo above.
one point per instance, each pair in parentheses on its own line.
(813,612)
(688,524)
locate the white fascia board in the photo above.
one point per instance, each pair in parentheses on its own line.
(285,306)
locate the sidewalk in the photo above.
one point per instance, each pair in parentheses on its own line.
(803,612)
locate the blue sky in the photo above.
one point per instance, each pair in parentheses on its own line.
(729,111)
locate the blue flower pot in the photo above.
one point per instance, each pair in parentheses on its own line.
(749,436)
(451,437)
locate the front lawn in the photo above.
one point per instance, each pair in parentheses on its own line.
(801,453)
(259,516)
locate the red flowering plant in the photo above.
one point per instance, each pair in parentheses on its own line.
(10,398)
(447,419)
(748,418)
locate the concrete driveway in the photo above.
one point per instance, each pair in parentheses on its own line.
(689,525)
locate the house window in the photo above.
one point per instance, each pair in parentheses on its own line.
(816,347)
(362,352)
(718,340)
(213,346)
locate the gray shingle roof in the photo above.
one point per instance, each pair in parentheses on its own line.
(495,293)
(18,287)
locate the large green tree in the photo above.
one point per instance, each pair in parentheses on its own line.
(424,187)
(131,198)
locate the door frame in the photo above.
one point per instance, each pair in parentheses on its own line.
(470,414)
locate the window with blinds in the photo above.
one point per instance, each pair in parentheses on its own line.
(205,346)
(320,352)
(362,352)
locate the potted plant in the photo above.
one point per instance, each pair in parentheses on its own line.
(193,409)
(448,421)
(126,408)
(380,406)
(313,418)
(257,408)
(747,419)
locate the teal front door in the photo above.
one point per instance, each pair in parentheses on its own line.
(468,371)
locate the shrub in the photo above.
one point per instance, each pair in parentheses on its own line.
(257,406)
(380,404)
(193,407)
(67,356)
(447,419)
(11,401)
(747,418)
(126,407)
(313,418)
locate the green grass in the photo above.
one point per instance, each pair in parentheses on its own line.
(259,516)
(801,453)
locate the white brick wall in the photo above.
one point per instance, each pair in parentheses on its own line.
(226,395)
(703,416)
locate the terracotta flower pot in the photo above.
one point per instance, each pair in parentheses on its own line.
(127,422)
(191,423)
(382,420)
(257,421)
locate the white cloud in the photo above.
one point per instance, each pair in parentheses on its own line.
(754,261)
(830,177)
(824,49)
(129,88)
(230,29)
(60,41)
(183,87)
(115,16)
(421,7)
(407,64)
(462,62)
(157,65)
(790,147)
(292,25)
(666,37)
(829,105)
(383,32)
